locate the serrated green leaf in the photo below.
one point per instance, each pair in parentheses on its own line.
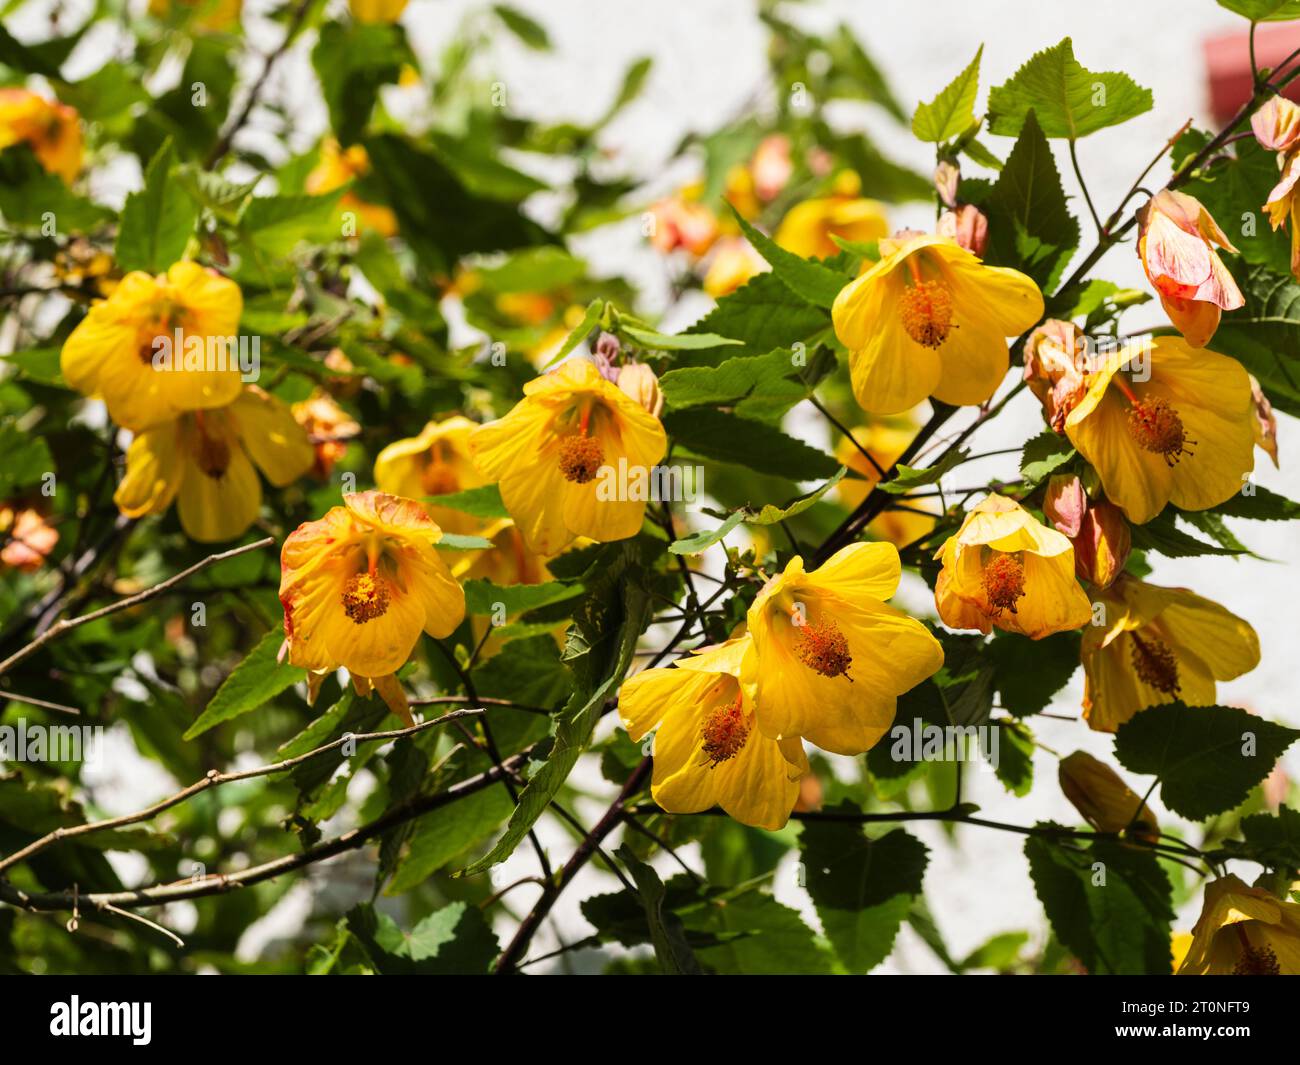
(1044,454)
(716,434)
(1264,10)
(158,222)
(484,597)
(482,502)
(908,478)
(952,112)
(817,284)
(253,683)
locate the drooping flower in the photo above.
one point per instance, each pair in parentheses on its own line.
(1096,527)
(808,227)
(1283,204)
(328,427)
(52,129)
(884,442)
(1166,422)
(734,263)
(337,166)
(1004,569)
(1056,366)
(1176,239)
(929,319)
(126,349)
(361,584)
(832,657)
(1155,645)
(377,10)
(708,748)
(435,463)
(563,453)
(1243,931)
(212,15)
(204,460)
(1276,125)
(27,536)
(1102,797)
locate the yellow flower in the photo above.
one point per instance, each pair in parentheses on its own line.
(209,14)
(204,460)
(885,443)
(930,319)
(435,463)
(359,585)
(734,262)
(52,129)
(562,456)
(1185,434)
(807,227)
(337,166)
(1005,569)
(1155,645)
(1243,931)
(708,750)
(377,10)
(832,657)
(1102,797)
(117,351)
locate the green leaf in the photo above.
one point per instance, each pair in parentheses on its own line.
(763,314)
(952,112)
(1025,690)
(453,941)
(1161,535)
(716,434)
(862,887)
(762,387)
(1070,101)
(253,683)
(999,952)
(157,222)
(1264,10)
(703,540)
(595,309)
(353,60)
(1015,761)
(482,502)
(1044,454)
(817,284)
(1109,904)
(29,60)
(484,597)
(754,934)
(1273,841)
(27,458)
(276,225)
(30,196)
(1258,503)
(530,32)
(448,832)
(667,934)
(770,514)
(1207,757)
(1030,225)
(908,478)
(461,542)
(648,338)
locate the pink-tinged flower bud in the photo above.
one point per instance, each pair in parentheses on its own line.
(946,178)
(639,382)
(1055,370)
(605,355)
(1065,504)
(1265,420)
(1277,124)
(771,166)
(968,226)
(1102,547)
(1102,797)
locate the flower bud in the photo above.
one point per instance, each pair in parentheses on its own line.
(1054,369)
(1265,420)
(1103,544)
(1102,797)
(968,226)
(1277,124)
(1065,504)
(605,355)
(946,177)
(639,382)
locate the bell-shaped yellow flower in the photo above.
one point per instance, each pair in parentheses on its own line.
(808,227)
(337,166)
(708,750)
(574,457)
(1005,569)
(377,10)
(1155,645)
(1166,422)
(359,585)
(52,129)
(1243,931)
(204,460)
(831,656)
(1102,797)
(930,319)
(435,463)
(125,350)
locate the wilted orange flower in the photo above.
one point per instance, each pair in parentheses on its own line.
(1165,422)
(831,656)
(328,427)
(808,227)
(549,452)
(1176,238)
(358,587)
(338,166)
(53,130)
(118,351)
(28,537)
(204,460)
(1005,569)
(1155,645)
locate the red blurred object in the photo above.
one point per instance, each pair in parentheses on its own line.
(1227,64)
